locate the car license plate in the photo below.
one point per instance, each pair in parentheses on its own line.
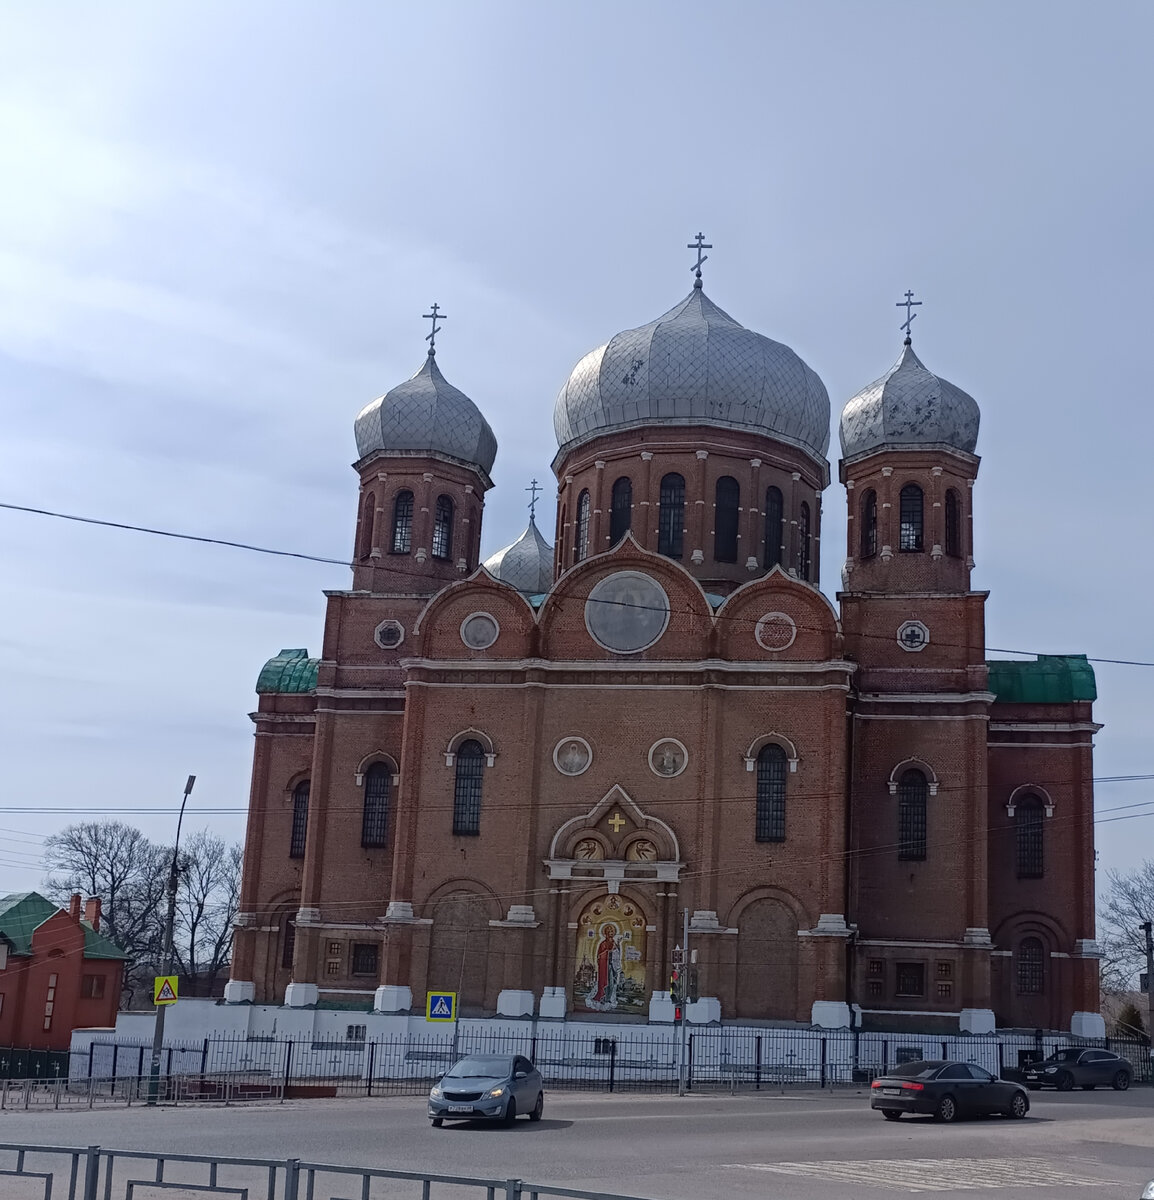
(460,1108)
(891,1091)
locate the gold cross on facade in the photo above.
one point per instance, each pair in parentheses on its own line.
(617,822)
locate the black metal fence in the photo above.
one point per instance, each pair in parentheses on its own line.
(572,1058)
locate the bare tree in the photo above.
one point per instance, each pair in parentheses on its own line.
(1129,900)
(208,892)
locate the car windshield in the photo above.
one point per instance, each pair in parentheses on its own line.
(916,1070)
(481,1068)
(1063,1056)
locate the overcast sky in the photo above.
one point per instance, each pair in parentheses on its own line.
(220,224)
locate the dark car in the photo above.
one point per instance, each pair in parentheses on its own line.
(946,1091)
(1067,1069)
(488,1087)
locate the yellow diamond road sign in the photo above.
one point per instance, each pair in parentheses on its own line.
(164,989)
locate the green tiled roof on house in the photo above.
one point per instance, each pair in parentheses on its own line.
(1050,679)
(289,671)
(23,912)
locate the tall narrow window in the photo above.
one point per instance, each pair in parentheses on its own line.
(804,544)
(467,793)
(300,820)
(1029,826)
(289,945)
(375,815)
(727,498)
(912,518)
(368,512)
(1031,967)
(443,528)
(771,770)
(403,523)
(912,792)
(581,542)
(774,511)
(621,512)
(671,517)
(869,524)
(953,524)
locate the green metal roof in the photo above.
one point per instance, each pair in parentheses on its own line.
(289,671)
(23,912)
(1050,679)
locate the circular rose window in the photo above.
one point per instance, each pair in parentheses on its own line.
(775,631)
(479,631)
(627,612)
(389,634)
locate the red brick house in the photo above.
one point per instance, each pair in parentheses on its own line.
(58,972)
(508,779)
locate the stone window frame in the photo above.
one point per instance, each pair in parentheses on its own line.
(927,770)
(755,747)
(471,734)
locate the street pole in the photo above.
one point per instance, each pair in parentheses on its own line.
(1148,930)
(683,1057)
(166,957)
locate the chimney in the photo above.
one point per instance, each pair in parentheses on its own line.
(74,906)
(92,911)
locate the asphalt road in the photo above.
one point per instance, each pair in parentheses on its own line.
(793,1146)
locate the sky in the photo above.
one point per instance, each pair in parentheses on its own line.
(220,225)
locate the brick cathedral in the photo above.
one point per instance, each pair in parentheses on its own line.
(509,778)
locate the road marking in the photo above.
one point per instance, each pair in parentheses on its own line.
(934,1174)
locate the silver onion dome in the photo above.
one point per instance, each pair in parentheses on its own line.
(426,413)
(909,406)
(526,565)
(694,366)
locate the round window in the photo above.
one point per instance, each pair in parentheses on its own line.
(389,634)
(479,631)
(775,631)
(627,612)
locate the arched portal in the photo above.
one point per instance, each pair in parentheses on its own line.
(767,961)
(459,949)
(609,966)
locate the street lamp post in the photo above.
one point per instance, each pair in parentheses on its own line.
(166,957)
(1148,929)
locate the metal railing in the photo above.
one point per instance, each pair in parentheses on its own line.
(94,1173)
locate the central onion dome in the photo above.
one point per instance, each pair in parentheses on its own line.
(426,414)
(527,564)
(694,366)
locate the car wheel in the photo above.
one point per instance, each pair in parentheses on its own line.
(1065,1082)
(1019,1106)
(437,1122)
(890,1115)
(538,1108)
(511,1111)
(1121,1081)
(947,1109)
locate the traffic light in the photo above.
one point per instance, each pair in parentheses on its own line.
(676,986)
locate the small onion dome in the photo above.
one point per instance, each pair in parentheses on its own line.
(909,406)
(426,413)
(694,366)
(289,671)
(526,565)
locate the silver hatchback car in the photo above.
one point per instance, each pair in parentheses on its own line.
(488,1087)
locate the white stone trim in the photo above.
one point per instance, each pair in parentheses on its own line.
(684,757)
(473,616)
(572,737)
(932,777)
(465,735)
(765,739)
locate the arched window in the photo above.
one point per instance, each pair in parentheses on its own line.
(1029,827)
(1031,967)
(912,792)
(581,542)
(671,517)
(912,518)
(467,793)
(403,523)
(773,518)
(289,945)
(869,524)
(804,548)
(953,524)
(727,496)
(375,816)
(771,771)
(621,511)
(300,820)
(368,512)
(443,528)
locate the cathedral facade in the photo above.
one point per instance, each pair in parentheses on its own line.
(516,780)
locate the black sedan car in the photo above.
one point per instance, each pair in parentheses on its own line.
(946,1091)
(488,1087)
(1086,1069)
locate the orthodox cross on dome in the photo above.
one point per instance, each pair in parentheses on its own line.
(699,244)
(434,316)
(533,488)
(909,304)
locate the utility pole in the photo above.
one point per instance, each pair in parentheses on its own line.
(683,1056)
(166,957)
(1147,928)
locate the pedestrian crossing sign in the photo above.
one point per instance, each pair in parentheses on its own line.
(441,1006)
(164,989)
